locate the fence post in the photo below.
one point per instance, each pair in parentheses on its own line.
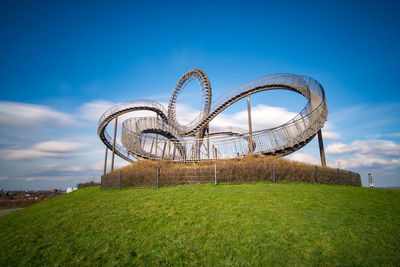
(120,178)
(158,177)
(339,178)
(273,173)
(316,174)
(215,173)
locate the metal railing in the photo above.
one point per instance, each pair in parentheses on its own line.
(158,138)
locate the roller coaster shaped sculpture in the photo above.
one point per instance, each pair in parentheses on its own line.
(163,137)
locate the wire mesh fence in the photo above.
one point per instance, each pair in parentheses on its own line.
(161,174)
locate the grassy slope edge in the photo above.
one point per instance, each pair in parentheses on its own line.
(246,224)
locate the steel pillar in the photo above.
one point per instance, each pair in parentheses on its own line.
(156,138)
(208,142)
(321,149)
(163,151)
(115,137)
(105,161)
(250,128)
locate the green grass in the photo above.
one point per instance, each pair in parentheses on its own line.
(246,225)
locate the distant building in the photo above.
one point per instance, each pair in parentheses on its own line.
(371,183)
(70,189)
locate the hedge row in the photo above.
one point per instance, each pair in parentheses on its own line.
(147,173)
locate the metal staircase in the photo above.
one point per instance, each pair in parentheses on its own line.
(162,137)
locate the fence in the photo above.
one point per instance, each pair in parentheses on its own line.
(87,184)
(154,174)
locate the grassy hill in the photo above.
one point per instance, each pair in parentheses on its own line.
(246,224)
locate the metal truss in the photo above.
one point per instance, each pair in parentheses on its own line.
(162,137)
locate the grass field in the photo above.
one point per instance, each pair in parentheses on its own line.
(246,224)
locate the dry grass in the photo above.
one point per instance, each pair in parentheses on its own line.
(241,170)
(87,184)
(19,203)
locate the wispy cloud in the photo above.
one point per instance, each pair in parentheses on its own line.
(382,147)
(328,132)
(360,160)
(45,178)
(387,135)
(93,110)
(366,153)
(76,136)
(21,114)
(329,135)
(48,149)
(262,117)
(304,157)
(368,121)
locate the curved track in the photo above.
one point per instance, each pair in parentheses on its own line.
(162,137)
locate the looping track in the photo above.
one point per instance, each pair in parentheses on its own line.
(162,137)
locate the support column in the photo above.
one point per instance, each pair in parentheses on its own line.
(208,142)
(321,149)
(250,128)
(163,151)
(105,161)
(156,140)
(115,137)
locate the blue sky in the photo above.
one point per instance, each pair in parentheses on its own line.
(63,63)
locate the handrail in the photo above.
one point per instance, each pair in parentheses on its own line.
(162,137)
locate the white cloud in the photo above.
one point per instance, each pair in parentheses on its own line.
(93,110)
(328,135)
(58,146)
(99,165)
(397,135)
(66,168)
(304,157)
(262,117)
(374,153)
(49,149)
(394,135)
(21,114)
(367,161)
(46,178)
(185,114)
(328,132)
(374,147)
(119,164)
(26,154)
(367,154)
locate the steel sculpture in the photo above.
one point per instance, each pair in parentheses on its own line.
(163,137)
